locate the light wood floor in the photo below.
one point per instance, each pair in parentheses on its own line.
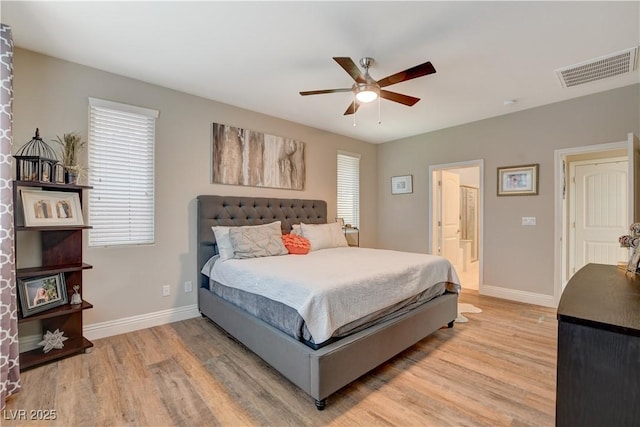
(496,370)
(470,278)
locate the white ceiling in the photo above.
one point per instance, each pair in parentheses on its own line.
(259,55)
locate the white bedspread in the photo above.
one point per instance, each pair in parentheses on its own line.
(331,287)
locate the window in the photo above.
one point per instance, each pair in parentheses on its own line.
(121,171)
(349,188)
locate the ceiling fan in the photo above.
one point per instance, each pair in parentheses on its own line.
(366,89)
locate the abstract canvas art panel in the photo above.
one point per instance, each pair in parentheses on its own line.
(246,157)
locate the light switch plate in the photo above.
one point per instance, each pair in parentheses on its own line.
(528,220)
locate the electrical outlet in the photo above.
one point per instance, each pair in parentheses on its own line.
(166,291)
(528,220)
(188,286)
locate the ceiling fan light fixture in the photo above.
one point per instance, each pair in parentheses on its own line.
(366,89)
(367,93)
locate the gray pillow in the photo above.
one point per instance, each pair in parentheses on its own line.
(257,241)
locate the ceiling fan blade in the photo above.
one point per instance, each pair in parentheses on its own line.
(319,92)
(408,74)
(352,108)
(351,68)
(398,97)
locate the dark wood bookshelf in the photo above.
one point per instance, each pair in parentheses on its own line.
(55,312)
(61,248)
(36,357)
(52,227)
(22,273)
(51,185)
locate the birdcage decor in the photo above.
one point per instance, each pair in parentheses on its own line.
(36,161)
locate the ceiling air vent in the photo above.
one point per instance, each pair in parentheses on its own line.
(600,68)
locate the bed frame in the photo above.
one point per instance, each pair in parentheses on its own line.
(318,372)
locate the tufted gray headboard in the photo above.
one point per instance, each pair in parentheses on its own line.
(233,210)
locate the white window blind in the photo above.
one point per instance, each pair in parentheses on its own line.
(121,171)
(349,188)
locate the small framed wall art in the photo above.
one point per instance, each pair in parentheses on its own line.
(51,208)
(402,184)
(518,180)
(41,293)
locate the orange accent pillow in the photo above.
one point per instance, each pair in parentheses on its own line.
(295,244)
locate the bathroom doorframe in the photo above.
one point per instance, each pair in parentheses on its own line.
(561,207)
(434,192)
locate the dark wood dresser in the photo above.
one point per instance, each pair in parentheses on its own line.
(598,381)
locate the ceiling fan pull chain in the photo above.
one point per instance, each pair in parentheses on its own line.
(354,110)
(379,121)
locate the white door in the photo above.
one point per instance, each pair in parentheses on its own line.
(450,216)
(600,198)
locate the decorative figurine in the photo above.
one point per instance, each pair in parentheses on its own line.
(76,298)
(52,340)
(633,243)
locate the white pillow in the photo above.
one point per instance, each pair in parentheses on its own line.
(258,241)
(324,236)
(223,239)
(225,248)
(295,229)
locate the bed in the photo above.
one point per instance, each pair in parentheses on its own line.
(317,370)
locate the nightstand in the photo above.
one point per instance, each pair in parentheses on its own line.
(353,235)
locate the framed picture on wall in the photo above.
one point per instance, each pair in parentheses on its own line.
(402,184)
(518,180)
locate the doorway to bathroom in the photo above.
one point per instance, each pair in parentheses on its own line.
(456,217)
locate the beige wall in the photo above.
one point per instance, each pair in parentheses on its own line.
(515,257)
(52,94)
(126,281)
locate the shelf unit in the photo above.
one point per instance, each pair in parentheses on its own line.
(61,253)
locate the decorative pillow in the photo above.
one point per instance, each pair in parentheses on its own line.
(296,244)
(295,229)
(324,236)
(257,241)
(225,248)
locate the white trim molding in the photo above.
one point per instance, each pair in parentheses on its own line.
(517,295)
(118,106)
(479,163)
(29,342)
(560,223)
(143,321)
(122,326)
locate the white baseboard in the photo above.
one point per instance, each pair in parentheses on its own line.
(29,342)
(129,324)
(520,296)
(95,331)
(122,326)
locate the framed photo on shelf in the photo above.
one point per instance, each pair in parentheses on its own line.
(518,180)
(402,184)
(51,208)
(41,293)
